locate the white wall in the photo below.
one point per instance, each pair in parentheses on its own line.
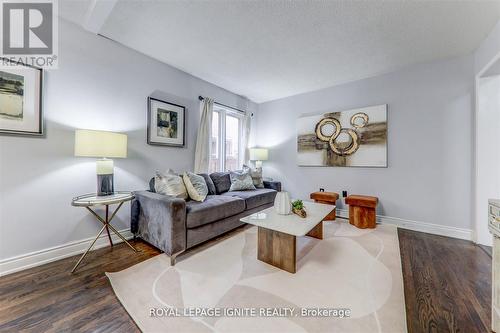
(99,85)
(429,142)
(488,51)
(487,152)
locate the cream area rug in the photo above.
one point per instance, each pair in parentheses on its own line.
(351,281)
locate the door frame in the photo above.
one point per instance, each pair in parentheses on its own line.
(477,221)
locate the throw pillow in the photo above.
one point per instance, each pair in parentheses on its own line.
(210,183)
(222,181)
(241,181)
(256,175)
(196,186)
(170,184)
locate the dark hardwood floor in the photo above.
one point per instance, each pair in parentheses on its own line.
(447,289)
(447,284)
(49,298)
(487,249)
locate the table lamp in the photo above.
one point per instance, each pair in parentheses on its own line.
(89,143)
(258,155)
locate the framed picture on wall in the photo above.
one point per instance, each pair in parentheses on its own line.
(20,99)
(166,123)
(349,138)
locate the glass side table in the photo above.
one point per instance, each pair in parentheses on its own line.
(91,200)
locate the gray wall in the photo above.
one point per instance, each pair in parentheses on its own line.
(488,51)
(99,85)
(430,113)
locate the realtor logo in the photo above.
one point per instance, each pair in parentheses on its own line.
(27,28)
(29,32)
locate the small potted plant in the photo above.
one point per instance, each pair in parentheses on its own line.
(298,208)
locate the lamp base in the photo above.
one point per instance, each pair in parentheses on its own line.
(258,164)
(104,168)
(105,185)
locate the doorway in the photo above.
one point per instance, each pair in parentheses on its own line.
(487,178)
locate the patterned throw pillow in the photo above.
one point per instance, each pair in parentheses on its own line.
(196,186)
(170,184)
(241,181)
(256,175)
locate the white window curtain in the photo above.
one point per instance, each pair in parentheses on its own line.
(247,127)
(202,152)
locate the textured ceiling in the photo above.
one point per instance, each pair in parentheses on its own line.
(267,50)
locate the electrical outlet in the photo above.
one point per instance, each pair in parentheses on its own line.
(344,194)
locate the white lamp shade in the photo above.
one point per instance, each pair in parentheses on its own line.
(259,154)
(91,143)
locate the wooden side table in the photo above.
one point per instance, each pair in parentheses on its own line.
(90,200)
(329,198)
(362,211)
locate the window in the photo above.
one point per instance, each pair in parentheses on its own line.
(232,158)
(214,144)
(225,146)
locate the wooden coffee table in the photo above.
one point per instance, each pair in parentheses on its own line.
(277,233)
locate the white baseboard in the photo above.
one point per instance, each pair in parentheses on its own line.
(430,228)
(37,258)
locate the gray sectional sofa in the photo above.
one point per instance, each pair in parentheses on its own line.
(174,225)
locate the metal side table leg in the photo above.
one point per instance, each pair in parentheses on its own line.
(93,200)
(91,245)
(122,238)
(107,222)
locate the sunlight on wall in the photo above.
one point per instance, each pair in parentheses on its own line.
(77,171)
(274,138)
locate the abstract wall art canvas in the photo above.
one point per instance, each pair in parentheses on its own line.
(166,123)
(11,95)
(20,99)
(351,138)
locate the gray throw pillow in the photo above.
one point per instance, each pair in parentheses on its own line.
(196,186)
(222,181)
(241,181)
(168,183)
(210,183)
(256,175)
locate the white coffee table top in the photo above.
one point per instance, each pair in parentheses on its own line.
(290,224)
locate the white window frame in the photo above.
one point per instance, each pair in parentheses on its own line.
(223,112)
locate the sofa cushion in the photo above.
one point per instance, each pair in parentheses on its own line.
(214,208)
(254,198)
(222,181)
(210,183)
